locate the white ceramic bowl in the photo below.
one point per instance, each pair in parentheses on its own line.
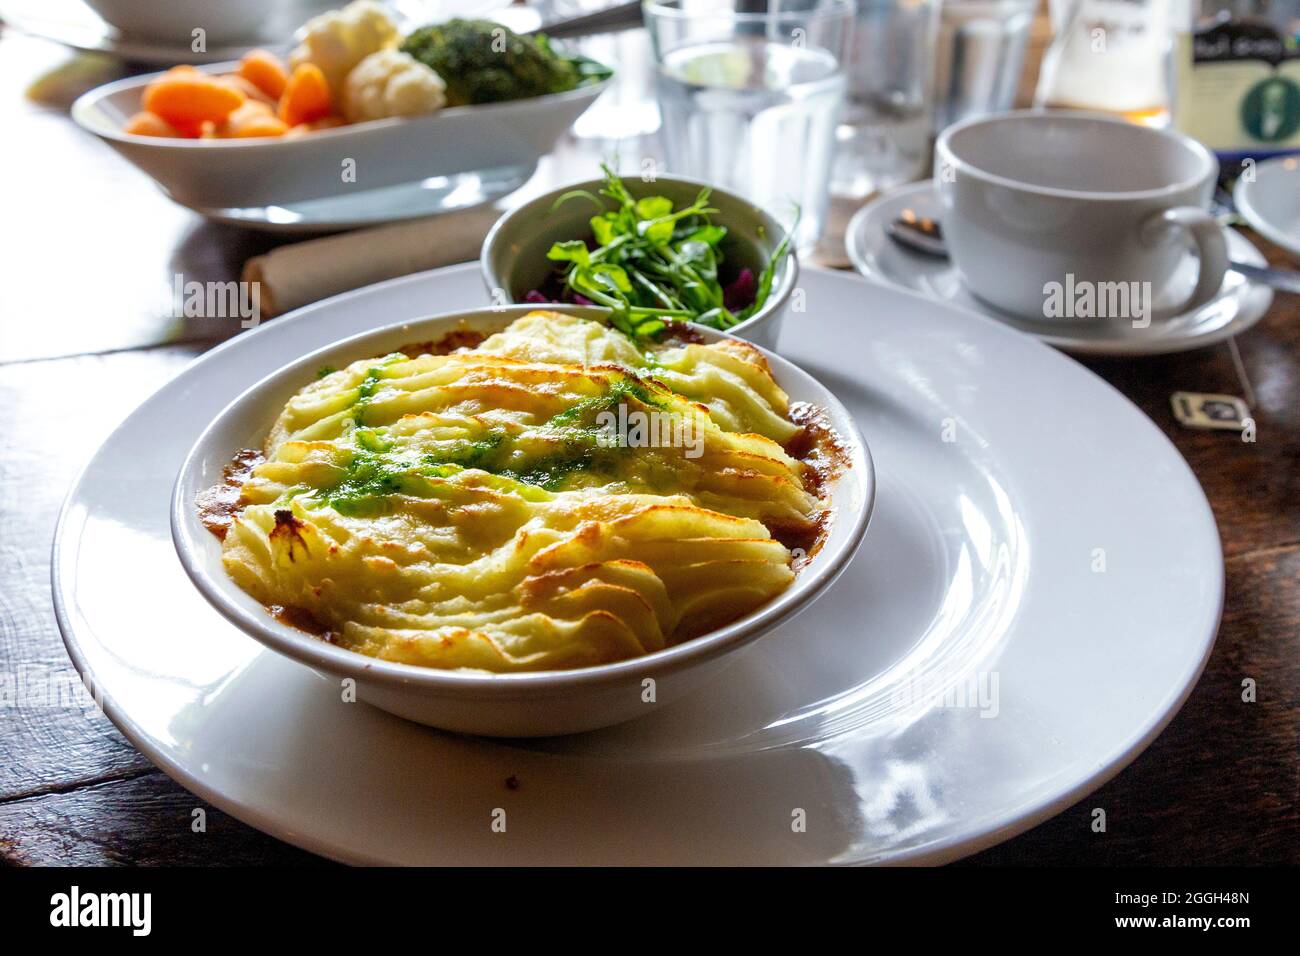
(220,174)
(514,251)
(173,21)
(500,705)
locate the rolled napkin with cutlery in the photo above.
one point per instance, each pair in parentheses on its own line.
(296,275)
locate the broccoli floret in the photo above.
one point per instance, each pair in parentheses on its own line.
(484,62)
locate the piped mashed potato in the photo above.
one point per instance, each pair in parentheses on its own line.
(479,509)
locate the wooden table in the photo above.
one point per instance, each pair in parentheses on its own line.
(88,242)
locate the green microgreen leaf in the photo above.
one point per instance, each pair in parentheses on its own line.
(652,262)
(575,251)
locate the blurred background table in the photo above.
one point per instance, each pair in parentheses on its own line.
(88,243)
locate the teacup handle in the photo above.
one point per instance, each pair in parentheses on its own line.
(1211,249)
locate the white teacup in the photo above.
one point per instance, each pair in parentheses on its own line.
(1075,217)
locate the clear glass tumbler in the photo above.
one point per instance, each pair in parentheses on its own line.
(980,56)
(750,93)
(884,139)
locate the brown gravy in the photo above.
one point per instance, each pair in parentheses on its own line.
(681,333)
(824,457)
(453,340)
(822,451)
(303,620)
(217,504)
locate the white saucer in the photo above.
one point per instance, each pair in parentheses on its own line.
(1238,306)
(1036,539)
(75,25)
(1270,202)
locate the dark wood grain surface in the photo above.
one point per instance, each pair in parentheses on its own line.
(88,240)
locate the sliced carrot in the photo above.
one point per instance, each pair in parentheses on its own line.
(145,123)
(265,71)
(185,98)
(252,107)
(306,96)
(252,119)
(267,125)
(250,89)
(263,126)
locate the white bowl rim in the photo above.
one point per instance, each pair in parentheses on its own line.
(776,297)
(220,590)
(1248,196)
(85,104)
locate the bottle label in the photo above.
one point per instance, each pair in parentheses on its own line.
(1239,87)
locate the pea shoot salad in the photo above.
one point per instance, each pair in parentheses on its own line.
(649,263)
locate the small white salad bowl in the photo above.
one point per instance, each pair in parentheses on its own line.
(544,703)
(220,174)
(514,252)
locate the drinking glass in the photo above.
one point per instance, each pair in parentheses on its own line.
(884,139)
(750,93)
(980,56)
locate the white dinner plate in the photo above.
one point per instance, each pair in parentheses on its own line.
(1036,596)
(1270,201)
(1239,304)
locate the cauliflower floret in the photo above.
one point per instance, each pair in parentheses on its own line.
(391,83)
(340,39)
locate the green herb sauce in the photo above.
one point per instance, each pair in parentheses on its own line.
(379,469)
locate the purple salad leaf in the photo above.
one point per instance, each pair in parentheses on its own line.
(740,292)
